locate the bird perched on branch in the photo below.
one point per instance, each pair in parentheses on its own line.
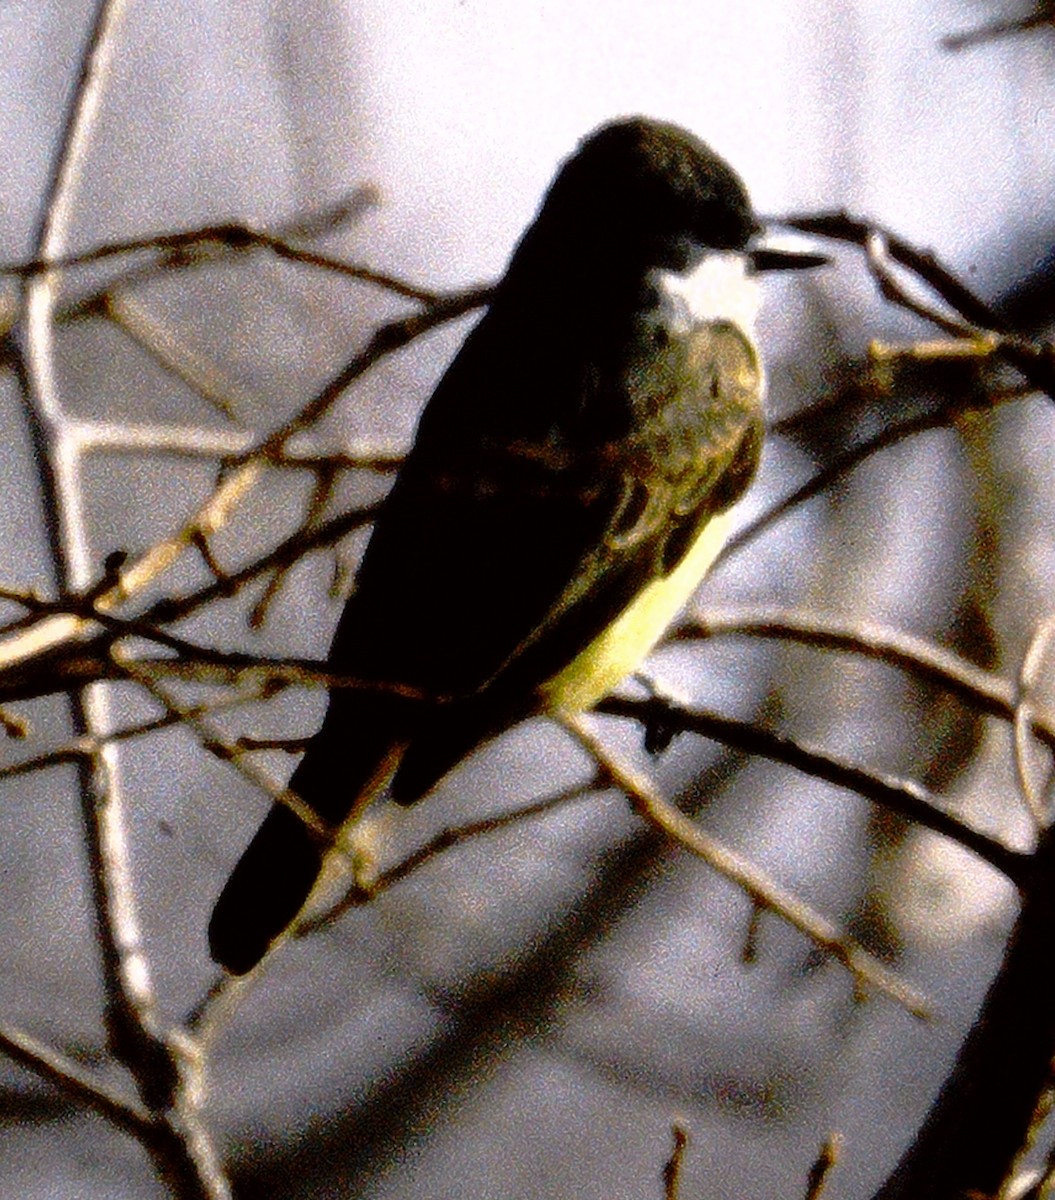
(567,489)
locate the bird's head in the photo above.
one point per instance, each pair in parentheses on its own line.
(639,194)
(645,190)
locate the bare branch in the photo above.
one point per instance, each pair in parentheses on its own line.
(845,227)
(1021,1173)
(320,497)
(74,1082)
(902,796)
(762,890)
(214,513)
(1037,802)
(217,1004)
(891,288)
(79,748)
(672,1167)
(919,657)
(1043,14)
(365,888)
(172,353)
(224,749)
(180,1147)
(822,1166)
(1036,363)
(843,463)
(193,246)
(385,340)
(286,552)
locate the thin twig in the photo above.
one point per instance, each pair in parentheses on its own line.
(673,1166)
(190,246)
(292,548)
(827,1158)
(1035,362)
(95,303)
(76,749)
(982,690)
(60,633)
(288,745)
(903,796)
(321,492)
(1036,800)
(224,749)
(647,801)
(891,288)
(845,227)
(53,668)
(847,461)
(217,1004)
(234,489)
(385,340)
(239,482)
(364,891)
(1021,1169)
(1043,16)
(73,1081)
(127,314)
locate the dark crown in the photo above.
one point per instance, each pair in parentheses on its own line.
(638,179)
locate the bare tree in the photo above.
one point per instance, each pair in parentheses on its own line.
(189,635)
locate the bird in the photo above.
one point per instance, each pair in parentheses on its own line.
(569,484)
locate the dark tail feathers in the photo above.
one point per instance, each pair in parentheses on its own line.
(275,875)
(265,892)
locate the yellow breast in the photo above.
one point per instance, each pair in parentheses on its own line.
(624,645)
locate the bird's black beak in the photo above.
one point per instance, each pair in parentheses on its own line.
(783,253)
(786,260)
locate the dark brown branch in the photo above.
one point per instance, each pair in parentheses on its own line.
(189,247)
(846,461)
(973,1133)
(385,340)
(672,1167)
(283,555)
(979,689)
(79,748)
(822,1167)
(363,891)
(1043,14)
(1036,363)
(902,796)
(760,888)
(842,226)
(320,497)
(214,1006)
(64,1074)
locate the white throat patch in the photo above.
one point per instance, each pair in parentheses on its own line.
(718,288)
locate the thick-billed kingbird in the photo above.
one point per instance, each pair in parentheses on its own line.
(568,487)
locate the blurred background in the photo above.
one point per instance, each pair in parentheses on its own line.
(526,1015)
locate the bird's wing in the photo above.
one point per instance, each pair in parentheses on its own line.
(692,453)
(501,557)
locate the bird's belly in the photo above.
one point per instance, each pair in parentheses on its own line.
(621,648)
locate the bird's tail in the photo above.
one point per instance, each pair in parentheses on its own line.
(337,777)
